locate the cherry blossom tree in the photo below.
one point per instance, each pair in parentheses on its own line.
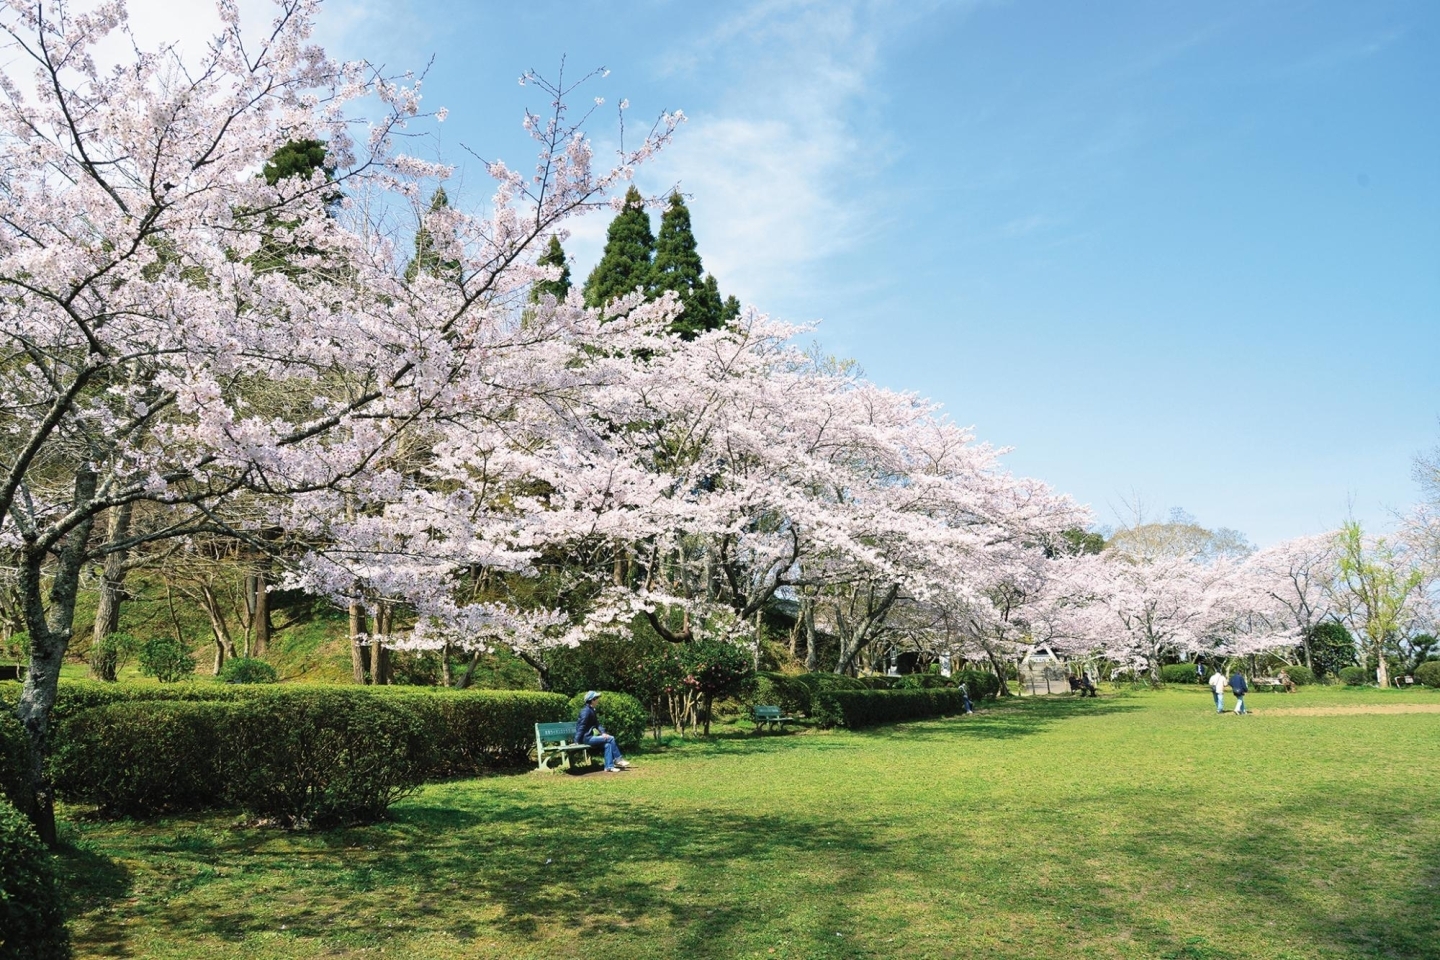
(151,356)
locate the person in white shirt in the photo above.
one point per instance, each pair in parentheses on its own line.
(1217,684)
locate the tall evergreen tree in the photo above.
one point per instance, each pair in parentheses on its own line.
(626,263)
(678,268)
(559,288)
(427,257)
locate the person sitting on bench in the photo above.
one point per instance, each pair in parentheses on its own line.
(589,732)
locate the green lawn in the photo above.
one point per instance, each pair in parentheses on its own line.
(1137,825)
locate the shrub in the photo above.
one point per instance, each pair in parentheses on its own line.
(1179,673)
(622,715)
(166,659)
(882,682)
(1354,676)
(322,757)
(32,921)
(981,684)
(920,681)
(14,757)
(140,758)
(786,691)
(1428,673)
(467,731)
(1300,675)
(854,709)
(248,670)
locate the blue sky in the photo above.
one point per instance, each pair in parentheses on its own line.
(1183,251)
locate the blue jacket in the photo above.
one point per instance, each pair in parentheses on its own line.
(589,721)
(1237,684)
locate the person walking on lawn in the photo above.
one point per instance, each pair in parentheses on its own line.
(1217,684)
(589,732)
(1238,686)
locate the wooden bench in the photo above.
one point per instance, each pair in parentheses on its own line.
(553,747)
(1275,684)
(772,716)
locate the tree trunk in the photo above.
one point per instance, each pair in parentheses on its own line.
(812,655)
(104,658)
(224,643)
(50,632)
(379,656)
(1382,671)
(357,645)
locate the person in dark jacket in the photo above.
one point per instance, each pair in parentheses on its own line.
(1238,686)
(589,731)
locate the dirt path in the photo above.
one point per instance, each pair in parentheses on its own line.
(1338,711)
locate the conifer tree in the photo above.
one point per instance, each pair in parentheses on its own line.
(559,288)
(427,257)
(678,268)
(626,263)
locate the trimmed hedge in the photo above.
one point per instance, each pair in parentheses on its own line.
(854,709)
(622,716)
(1179,673)
(1428,673)
(296,754)
(922,681)
(1300,675)
(32,920)
(981,684)
(1355,676)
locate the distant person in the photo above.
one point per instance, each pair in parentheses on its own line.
(1087,686)
(1199,672)
(1217,685)
(589,732)
(965,699)
(1238,686)
(1286,682)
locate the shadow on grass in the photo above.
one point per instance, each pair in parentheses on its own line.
(482,865)
(94,883)
(1004,720)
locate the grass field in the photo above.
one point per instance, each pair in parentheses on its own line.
(1138,825)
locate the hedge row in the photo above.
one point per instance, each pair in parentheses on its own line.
(797,693)
(14,756)
(1428,673)
(854,709)
(294,754)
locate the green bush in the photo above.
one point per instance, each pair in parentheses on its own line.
(981,684)
(322,757)
(248,670)
(854,709)
(784,690)
(1355,676)
(921,681)
(467,731)
(1179,673)
(166,659)
(1300,675)
(14,757)
(624,717)
(144,757)
(1428,673)
(32,920)
(133,750)
(881,682)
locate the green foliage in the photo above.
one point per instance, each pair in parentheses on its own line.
(981,684)
(248,670)
(112,653)
(854,709)
(606,662)
(334,753)
(677,268)
(559,288)
(626,262)
(468,731)
(714,667)
(786,691)
(166,659)
(1428,673)
(1331,647)
(17,648)
(322,757)
(32,917)
(1356,676)
(428,258)
(1300,675)
(14,757)
(622,716)
(1179,673)
(297,158)
(911,681)
(144,757)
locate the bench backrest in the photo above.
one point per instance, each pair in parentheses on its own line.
(548,732)
(767,713)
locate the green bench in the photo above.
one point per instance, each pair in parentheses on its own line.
(771,716)
(553,747)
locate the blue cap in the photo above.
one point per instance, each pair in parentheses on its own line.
(593,694)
